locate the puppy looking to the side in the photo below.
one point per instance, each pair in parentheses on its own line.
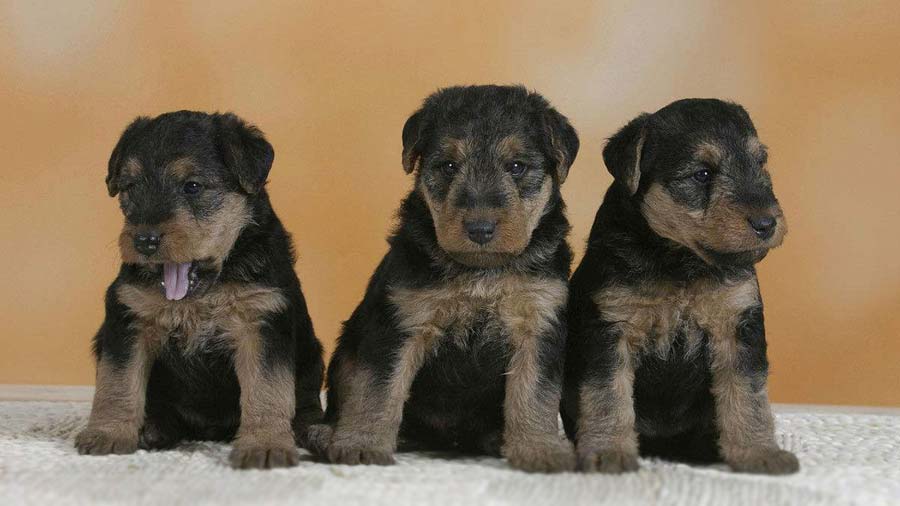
(458,342)
(207,334)
(667,352)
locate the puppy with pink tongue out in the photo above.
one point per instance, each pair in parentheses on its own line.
(207,334)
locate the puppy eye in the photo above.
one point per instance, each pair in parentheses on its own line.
(192,187)
(702,176)
(516,169)
(449,168)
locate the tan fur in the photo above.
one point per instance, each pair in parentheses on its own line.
(509,147)
(606,435)
(634,177)
(754,146)
(131,168)
(709,153)
(181,168)
(227,307)
(722,227)
(515,224)
(185,238)
(267,404)
(646,318)
(117,412)
(522,307)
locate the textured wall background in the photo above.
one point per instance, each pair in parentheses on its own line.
(332,83)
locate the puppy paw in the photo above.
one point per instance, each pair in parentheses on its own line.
(550,456)
(316,439)
(607,461)
(350,453)
(263,457)
(93,441)
(154,437)
(765,460)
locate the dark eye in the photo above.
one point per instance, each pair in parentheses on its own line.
(702,176)
(192,187)
(516,169)
(449,168)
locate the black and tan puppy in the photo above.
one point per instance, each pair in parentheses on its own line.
(458,343)
(667,349)
(207,334)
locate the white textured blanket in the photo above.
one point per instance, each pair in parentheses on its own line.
(845,459)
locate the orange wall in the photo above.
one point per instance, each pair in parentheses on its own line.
(331,85)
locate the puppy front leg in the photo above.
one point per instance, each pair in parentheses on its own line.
(117,413)
(370,414)
(606,439)
(743,415)
(531,438)
(265,438)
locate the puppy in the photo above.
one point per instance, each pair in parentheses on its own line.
(667,349)
(207,335)
(458,342)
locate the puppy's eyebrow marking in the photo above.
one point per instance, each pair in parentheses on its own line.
(132,167)
(456,148)
(755,147)
(709,152)
(181,167)
(510,146)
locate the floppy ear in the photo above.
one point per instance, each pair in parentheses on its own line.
(412,134)
(563,141)
(247,154)
(622,154)
(114,167)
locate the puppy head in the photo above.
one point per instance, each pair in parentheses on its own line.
(488,161)
(698,171)
(185,181)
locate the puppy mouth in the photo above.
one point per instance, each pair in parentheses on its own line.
(179,279)
(745,257)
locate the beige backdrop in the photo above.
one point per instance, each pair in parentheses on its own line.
(331,85)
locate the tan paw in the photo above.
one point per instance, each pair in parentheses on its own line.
(92,441)
(763,461)
(354,453)
(261,457)
(549,456)
(607,461)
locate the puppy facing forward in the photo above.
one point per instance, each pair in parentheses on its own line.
(207,334)
(458,342)
(667,349)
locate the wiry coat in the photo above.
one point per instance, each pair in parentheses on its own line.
(456,345)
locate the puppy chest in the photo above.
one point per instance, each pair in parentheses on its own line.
(651,316)
(469,312)
(223,314)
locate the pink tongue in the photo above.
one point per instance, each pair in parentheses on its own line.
(175,277)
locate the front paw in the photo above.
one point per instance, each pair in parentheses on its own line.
(548,456)
(354,451)
(95,441)
(264,453)
(608,461)
(766,460)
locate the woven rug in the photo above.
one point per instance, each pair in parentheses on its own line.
(845,459)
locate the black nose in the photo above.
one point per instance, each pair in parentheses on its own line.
(480,231)
(146,243)
(764,226)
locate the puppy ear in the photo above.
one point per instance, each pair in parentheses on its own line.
(622,154)
(114,167)
(562,140)
(412,134)
(246,152)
